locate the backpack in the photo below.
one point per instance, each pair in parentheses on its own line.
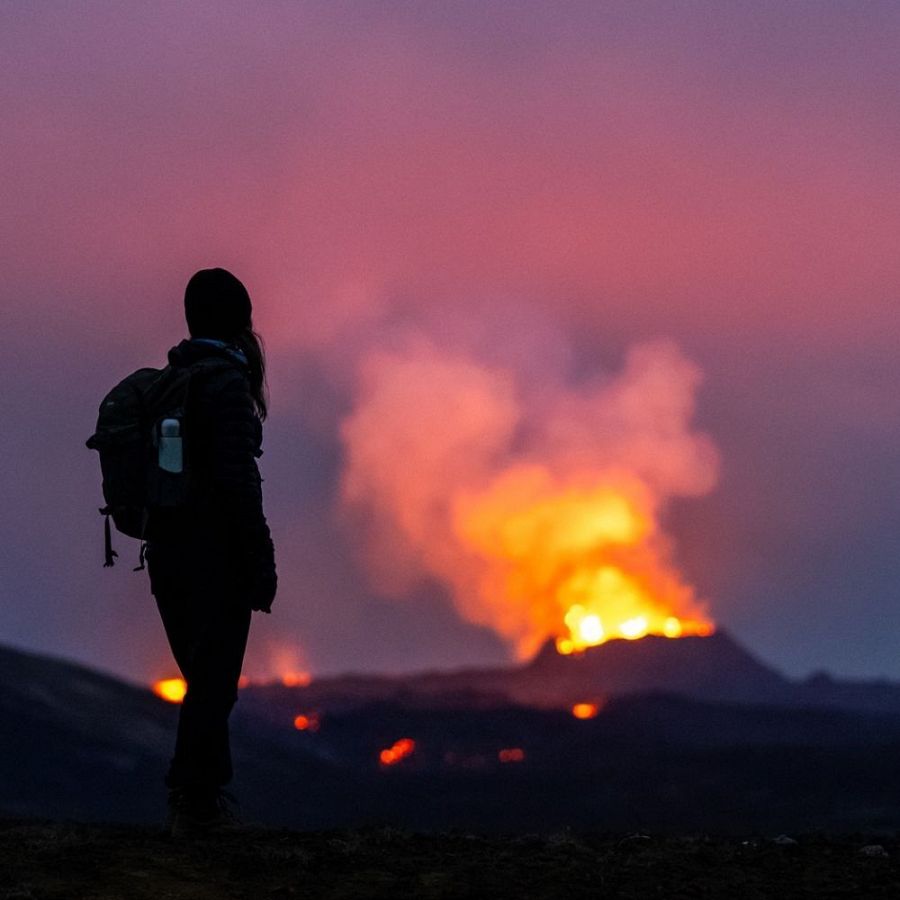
(143,440)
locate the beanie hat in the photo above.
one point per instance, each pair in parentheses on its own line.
(216,305)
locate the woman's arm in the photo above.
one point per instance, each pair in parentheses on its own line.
(236,485)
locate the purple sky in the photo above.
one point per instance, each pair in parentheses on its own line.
(541,184)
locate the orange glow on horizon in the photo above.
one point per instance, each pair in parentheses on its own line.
(634,629)
(289,678)
(172,690)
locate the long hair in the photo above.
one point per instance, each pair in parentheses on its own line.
(217,305)
(251,344)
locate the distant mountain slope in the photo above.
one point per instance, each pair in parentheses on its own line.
(67,733)
(707,668)
(77,744)
(714,668)
(80,744)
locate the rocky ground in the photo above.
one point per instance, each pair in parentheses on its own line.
(65,861)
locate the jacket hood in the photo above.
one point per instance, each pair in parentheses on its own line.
(190,351)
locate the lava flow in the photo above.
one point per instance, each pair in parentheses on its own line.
(400,750)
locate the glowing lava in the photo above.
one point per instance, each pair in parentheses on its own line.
(400,750)
(607,603)
(511,755)
(171,690)
(307,722)
(582,558)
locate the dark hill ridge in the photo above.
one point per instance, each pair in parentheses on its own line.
(65,729)
(745,752)
(715,668)
(75,743)
(706,668)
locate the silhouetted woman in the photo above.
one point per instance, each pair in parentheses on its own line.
(213,562)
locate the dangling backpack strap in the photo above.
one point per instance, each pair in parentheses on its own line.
(110,554)
(143,553)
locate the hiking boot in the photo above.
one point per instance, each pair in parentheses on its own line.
(198,813)
(172,803)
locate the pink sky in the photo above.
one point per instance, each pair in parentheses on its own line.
(538,185)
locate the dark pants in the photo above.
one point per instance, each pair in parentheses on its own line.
(207,624)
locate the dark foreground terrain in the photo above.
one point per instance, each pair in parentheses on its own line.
(80,746)
(46,861)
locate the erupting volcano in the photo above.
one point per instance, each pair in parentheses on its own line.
(537,502)
(587,553)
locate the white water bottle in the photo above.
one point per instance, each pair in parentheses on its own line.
(171,457)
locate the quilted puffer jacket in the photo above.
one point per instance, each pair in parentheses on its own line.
(224,525)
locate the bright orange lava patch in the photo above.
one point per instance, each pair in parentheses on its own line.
(400,750)
(171,690)
(585,710)
(307,723)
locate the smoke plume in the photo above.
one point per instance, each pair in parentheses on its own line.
(536,502)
